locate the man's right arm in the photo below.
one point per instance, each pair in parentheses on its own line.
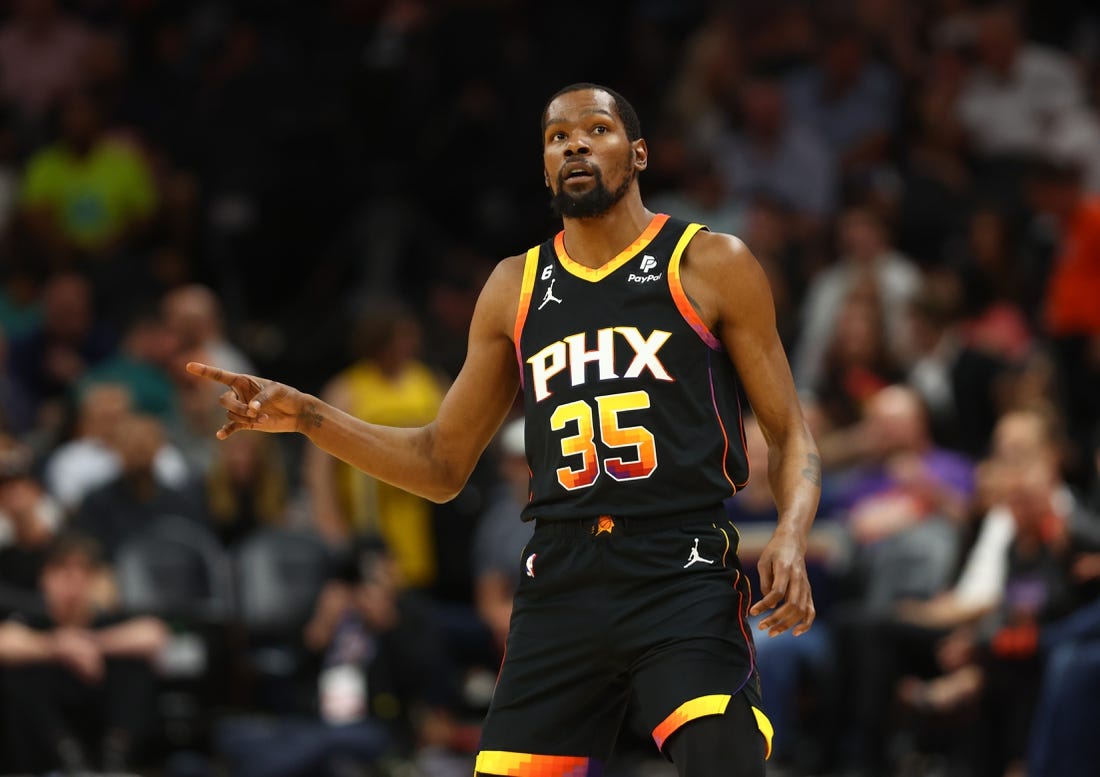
(20,644)
(432,461)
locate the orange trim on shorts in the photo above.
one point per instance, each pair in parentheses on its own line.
(506,764)
(594,274)
(698,707)
(679,296)
(526,289)
(702,706)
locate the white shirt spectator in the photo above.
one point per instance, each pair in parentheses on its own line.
(1015,114)
(79,467)
(898,280)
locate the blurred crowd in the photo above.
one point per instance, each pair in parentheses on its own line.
(317,191)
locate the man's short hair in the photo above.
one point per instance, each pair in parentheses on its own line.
(71,545)
(627,115)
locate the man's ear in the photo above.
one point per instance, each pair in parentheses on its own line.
(641,154)
(546,178)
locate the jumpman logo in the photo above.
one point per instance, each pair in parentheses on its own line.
(695,557)
(549,295)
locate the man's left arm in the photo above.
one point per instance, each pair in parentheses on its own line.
(729,289)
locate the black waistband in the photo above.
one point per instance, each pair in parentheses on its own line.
(625,524)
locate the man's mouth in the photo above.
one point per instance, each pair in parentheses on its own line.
(577,171)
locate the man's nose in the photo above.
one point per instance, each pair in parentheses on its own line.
(578,146)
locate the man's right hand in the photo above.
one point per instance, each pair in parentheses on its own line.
(260,404)
(76,649)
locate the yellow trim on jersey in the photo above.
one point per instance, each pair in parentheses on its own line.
(526,289)
(679,296)
(593,274)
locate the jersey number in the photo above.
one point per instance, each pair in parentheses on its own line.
(613,435)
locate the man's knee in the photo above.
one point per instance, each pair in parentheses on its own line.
(730,744)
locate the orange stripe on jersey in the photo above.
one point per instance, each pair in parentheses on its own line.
(683,304)
(698,707)
(598,273)
(530,270)
(506,764)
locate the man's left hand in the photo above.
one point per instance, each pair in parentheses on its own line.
(785,587)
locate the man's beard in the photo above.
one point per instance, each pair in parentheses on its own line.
(595,202)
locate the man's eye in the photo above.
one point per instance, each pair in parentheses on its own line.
(600,129)
(559,136)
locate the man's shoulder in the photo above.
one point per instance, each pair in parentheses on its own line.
(717,251)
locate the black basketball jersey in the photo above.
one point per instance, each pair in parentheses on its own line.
(631,402)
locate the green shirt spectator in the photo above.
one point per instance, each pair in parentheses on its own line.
(93,198)
(88,191)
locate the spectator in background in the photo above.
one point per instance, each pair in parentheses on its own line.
(959,384)
(904,647)
(858,364)
(29,520)
(80,687)
(993,274)
(87,196)
(386,385)
(142,364)
(907,481)
(1071,315)
(998,664)
(49,359)
(1063,743)
(1018,91)
(385,686)
(501,536)
(193,316)
(90,460)
(706,88)
(866,255)
(849,99)
(774,156)
(20,299)
(768,229)
(937,180)
(42,49)
(120,509)
(246,488)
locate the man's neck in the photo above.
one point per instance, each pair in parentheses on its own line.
(596,241)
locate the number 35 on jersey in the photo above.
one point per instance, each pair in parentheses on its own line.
(569,358)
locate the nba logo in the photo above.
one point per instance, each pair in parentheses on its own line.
(648,263)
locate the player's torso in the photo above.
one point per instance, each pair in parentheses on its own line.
(631,404)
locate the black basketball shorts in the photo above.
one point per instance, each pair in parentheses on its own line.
(614,610)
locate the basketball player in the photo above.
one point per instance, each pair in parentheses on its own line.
(630,330)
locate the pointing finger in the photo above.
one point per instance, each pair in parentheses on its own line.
(224,377)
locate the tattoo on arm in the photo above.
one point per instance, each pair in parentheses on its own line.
(309,417)
(812,471)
